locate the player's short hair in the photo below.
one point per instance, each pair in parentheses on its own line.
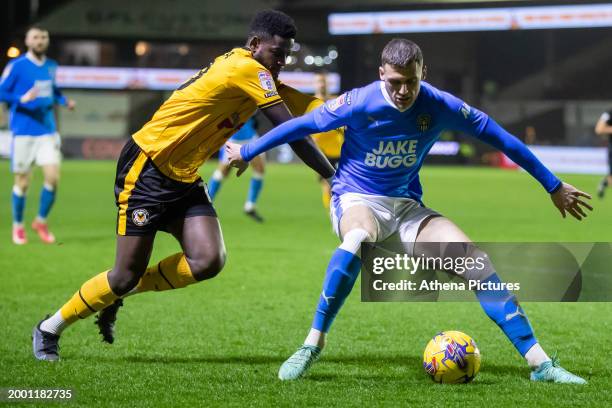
(36,27)
(400,52)
(268,23)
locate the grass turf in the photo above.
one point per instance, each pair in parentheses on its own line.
(221,342)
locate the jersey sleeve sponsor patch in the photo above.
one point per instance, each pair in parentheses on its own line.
(465,110)
(334,104)
(267,83)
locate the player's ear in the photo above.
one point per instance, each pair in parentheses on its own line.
(381,73)
(424,75)
(253,43)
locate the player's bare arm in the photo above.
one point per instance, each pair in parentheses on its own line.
(29,96)
(304,147)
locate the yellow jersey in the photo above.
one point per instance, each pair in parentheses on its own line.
(204,112)
(330,142)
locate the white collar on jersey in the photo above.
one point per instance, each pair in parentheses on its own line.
(35,60)
(388,98)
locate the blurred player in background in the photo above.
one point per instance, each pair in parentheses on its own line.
(330,143)
(604,128)
(28,86)
(391,126)
(157,186)
(247,133)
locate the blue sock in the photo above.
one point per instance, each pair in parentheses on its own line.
(213,187)
(341,275)
(503,308)
(255,188)
(47,198)
(18,207)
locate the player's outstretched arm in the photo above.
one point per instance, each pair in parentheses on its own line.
(287,131)
(568,199)
(300,142)
(516,150)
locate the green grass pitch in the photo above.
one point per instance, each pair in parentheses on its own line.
(221,342)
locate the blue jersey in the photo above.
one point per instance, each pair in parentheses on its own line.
(384,147)
(36,117)
(246,132)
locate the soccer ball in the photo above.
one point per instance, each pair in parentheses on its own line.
(451,357)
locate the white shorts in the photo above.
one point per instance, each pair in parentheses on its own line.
(398,219)
(40,150)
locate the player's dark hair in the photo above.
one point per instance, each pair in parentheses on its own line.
(36,27)
(268,23)
(400,52)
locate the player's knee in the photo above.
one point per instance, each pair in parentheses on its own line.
(351,241)
(22,184)
(207,266)
(359,218)
(51,182)
(121,282)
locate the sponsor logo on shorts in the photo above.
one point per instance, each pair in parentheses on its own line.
(140,217)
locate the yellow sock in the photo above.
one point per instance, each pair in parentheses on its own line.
(172,272)
(93,296)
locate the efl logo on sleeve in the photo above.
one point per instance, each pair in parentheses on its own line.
(465,110)
(266,81)
(338,102)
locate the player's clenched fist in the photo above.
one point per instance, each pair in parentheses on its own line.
(234,158)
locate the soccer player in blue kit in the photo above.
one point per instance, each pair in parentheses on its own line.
(28,86)
(390,126)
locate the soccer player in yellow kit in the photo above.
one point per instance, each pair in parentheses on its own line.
(157,186)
